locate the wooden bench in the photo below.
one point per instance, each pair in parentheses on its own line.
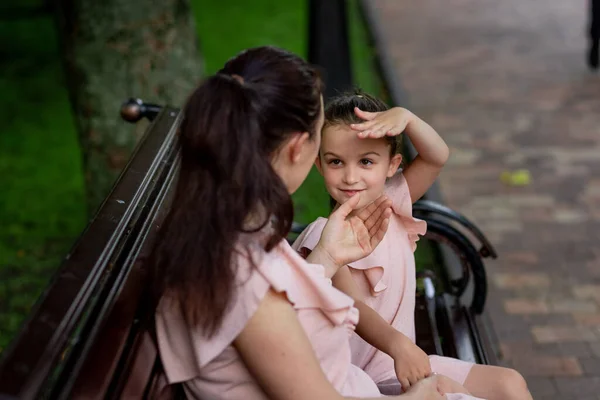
(91,333)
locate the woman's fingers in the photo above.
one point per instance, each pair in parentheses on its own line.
(384,214)
(345,209)
(380,233)
(372,213)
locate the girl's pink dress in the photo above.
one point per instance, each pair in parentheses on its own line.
(211,368)
(387,281)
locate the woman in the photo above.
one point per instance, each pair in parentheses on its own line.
(241,315)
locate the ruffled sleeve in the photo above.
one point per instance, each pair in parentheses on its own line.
(397,190)
(309,237)
(373,272)
(185,350)
(307,287)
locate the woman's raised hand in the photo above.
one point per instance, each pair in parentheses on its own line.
(351,234)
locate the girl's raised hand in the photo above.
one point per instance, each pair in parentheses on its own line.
(379,124)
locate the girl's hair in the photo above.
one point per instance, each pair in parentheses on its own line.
(340,110)
(234,123)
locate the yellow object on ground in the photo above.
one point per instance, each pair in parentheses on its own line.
(519,177)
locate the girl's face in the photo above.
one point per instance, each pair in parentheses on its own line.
(350,165)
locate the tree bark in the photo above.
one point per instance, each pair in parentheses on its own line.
(114,50)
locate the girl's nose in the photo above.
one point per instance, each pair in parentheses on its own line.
(350,176)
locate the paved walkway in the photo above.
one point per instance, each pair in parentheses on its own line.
(506,85)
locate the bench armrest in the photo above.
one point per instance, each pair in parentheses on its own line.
(424,208)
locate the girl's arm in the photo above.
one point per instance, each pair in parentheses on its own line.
(433,151)
(411,363)
(278,354)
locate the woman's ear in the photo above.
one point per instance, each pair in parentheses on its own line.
(297,146)
(318,164)
(394,165)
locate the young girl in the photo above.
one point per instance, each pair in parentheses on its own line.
(359,155)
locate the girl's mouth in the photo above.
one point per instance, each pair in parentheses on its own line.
(351,192)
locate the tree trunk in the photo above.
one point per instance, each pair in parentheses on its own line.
(114,50)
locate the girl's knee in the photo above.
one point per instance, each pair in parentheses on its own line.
(447,385)
(513,385)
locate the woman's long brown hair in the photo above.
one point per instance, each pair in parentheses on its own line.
(233,125)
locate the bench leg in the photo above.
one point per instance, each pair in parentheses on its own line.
(594,51)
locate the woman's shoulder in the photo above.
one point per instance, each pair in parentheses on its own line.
(186,349)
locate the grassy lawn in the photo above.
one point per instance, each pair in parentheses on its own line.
(42,207)
(42,204)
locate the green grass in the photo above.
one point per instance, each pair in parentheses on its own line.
(42,208)
(42,205)
(228,27)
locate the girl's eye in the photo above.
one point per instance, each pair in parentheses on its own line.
(366,161)
(335,162)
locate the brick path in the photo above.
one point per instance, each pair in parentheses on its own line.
(505,83)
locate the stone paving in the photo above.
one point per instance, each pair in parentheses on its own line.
(506,84)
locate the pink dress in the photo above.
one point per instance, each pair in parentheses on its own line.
(211,368)
(387,281)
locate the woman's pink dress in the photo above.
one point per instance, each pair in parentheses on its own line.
(211,368)
(387,282)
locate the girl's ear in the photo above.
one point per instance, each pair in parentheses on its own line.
(394,165)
